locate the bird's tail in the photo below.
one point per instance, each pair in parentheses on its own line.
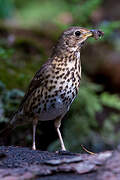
(6,131)
(12,125)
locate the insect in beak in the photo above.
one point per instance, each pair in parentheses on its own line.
(97,33)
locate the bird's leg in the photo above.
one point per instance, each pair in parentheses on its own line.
(57,126)
(63,149)
(34,132)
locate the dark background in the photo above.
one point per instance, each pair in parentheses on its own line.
(28,30)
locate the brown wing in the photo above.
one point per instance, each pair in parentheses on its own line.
(37,81)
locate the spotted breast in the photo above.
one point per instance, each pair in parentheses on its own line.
(61,84)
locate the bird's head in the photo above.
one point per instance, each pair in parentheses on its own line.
(74,37)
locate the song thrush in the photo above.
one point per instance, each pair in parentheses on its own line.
(55,86)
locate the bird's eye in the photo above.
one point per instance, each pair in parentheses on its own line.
(77,33)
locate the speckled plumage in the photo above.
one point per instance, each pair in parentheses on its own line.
(56,84)
(59,86)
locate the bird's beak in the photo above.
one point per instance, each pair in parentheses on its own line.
(93,33)
(88,34)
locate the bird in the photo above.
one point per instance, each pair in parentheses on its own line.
(55,85)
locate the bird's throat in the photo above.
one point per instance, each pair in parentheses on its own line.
(68,63)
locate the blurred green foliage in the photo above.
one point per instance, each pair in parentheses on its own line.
(17,64)
(36,11)
(32,13)
(20,59)
(6,9)
(5,53)
(9,101)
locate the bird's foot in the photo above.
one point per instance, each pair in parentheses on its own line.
(64,152)
(33,147)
